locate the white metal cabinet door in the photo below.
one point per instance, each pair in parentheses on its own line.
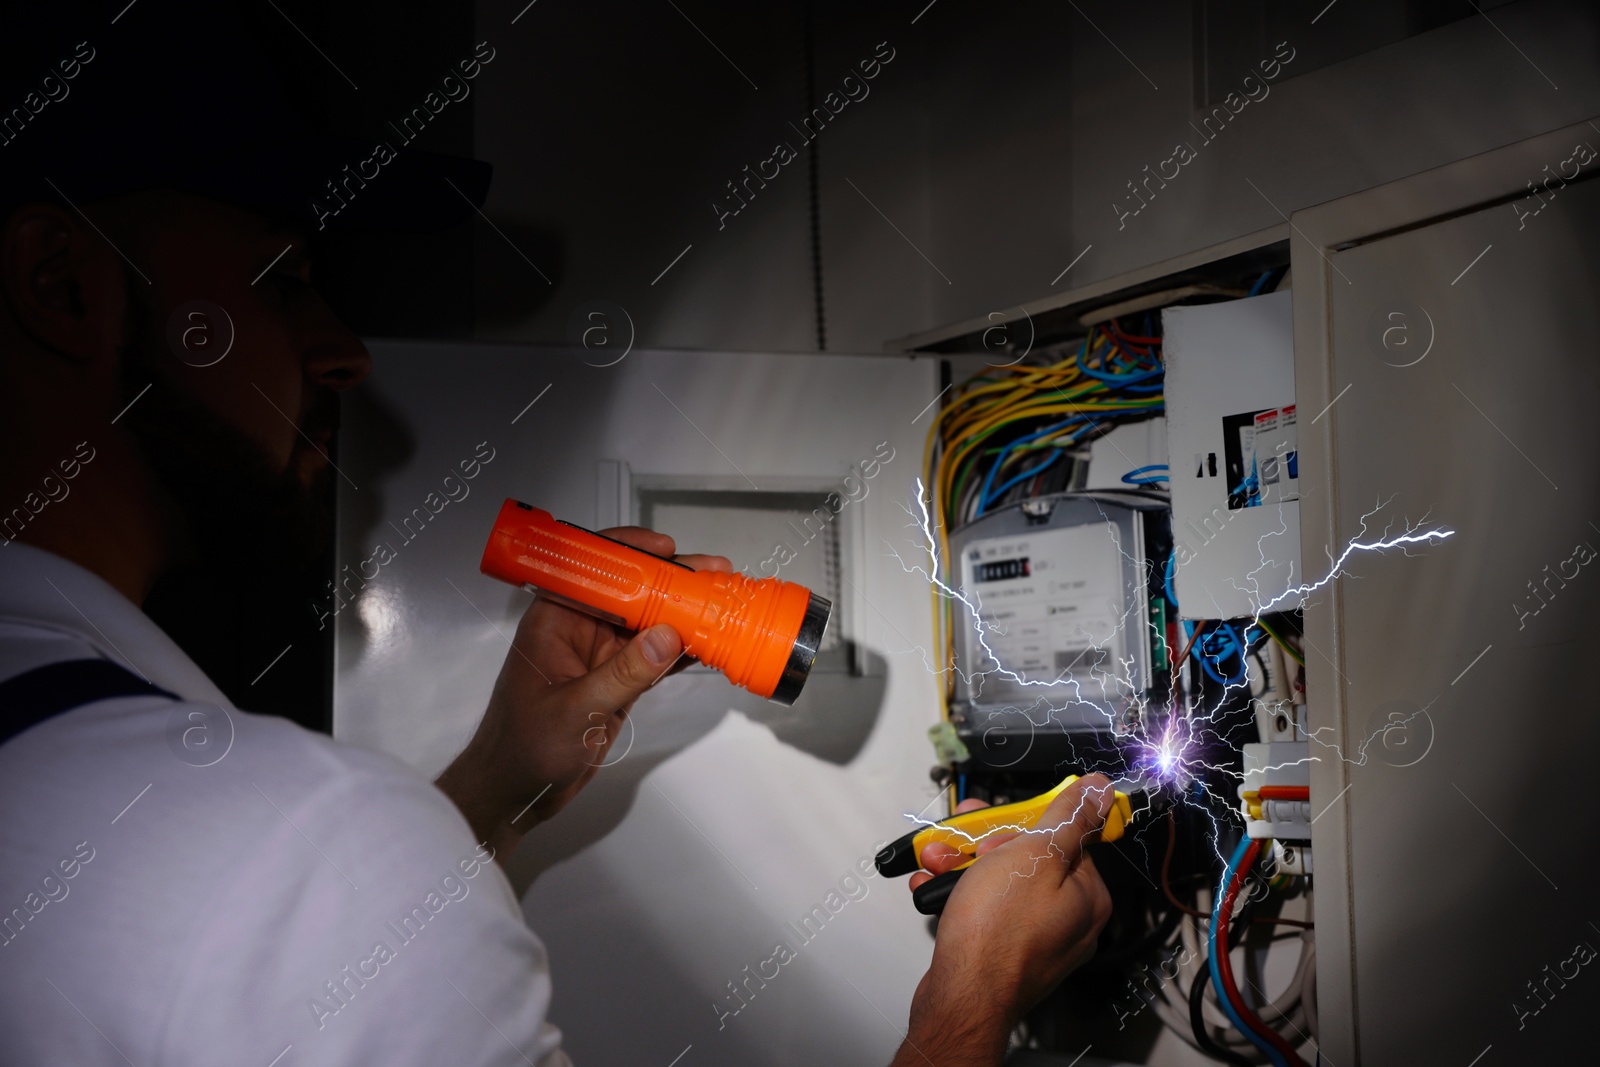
(1455,337)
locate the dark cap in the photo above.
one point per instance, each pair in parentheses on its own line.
(97,100)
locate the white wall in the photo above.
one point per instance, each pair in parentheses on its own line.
(678,865)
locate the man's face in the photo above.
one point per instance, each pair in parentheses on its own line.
(241,444)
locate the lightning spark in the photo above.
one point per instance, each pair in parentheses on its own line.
(1159,747)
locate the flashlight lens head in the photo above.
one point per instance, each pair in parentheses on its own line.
(804,653)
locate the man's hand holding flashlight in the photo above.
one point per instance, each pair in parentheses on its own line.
(562,695)
(1020,920)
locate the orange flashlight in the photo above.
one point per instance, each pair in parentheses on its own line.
(762,633)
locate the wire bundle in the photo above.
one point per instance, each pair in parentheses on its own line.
(1295,1008)
(994,441)
(1269,1041)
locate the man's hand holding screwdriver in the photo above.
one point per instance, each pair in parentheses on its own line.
(1019,921)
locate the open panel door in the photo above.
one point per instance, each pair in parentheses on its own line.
(1447,339)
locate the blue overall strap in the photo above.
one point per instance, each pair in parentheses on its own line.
(45,692)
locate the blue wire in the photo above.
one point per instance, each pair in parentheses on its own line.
(1132,477)
(985,494)
(1024,476)
(1119,379)
(1232,644)
(1237,645)
(1256,289)
(1172,594)
(988,494)
(1216,975)
(1250,488)
(985,497)
(1205,663)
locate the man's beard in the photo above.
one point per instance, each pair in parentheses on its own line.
(235,507)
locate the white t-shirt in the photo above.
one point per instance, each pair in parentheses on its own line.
(185,883)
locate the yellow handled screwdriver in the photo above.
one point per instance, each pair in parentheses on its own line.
(963,832)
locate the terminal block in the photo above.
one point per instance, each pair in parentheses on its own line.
(1275,796)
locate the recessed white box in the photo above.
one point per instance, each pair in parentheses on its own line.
(1226,364)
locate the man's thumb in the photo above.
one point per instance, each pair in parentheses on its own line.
(1080,810)
(636,667)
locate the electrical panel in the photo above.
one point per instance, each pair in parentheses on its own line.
(1116,592)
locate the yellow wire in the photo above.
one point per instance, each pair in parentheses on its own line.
(1017,392)
(970,441)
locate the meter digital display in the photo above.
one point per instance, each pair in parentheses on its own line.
(1001,569)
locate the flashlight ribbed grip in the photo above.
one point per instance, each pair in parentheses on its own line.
(566,557)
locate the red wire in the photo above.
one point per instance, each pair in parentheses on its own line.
(1177,666)
(1225,962)
(1144,358)
(1115,345)
(1135,338)
(1285,792)
(1137,349)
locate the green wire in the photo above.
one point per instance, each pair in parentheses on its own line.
(1292,654)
